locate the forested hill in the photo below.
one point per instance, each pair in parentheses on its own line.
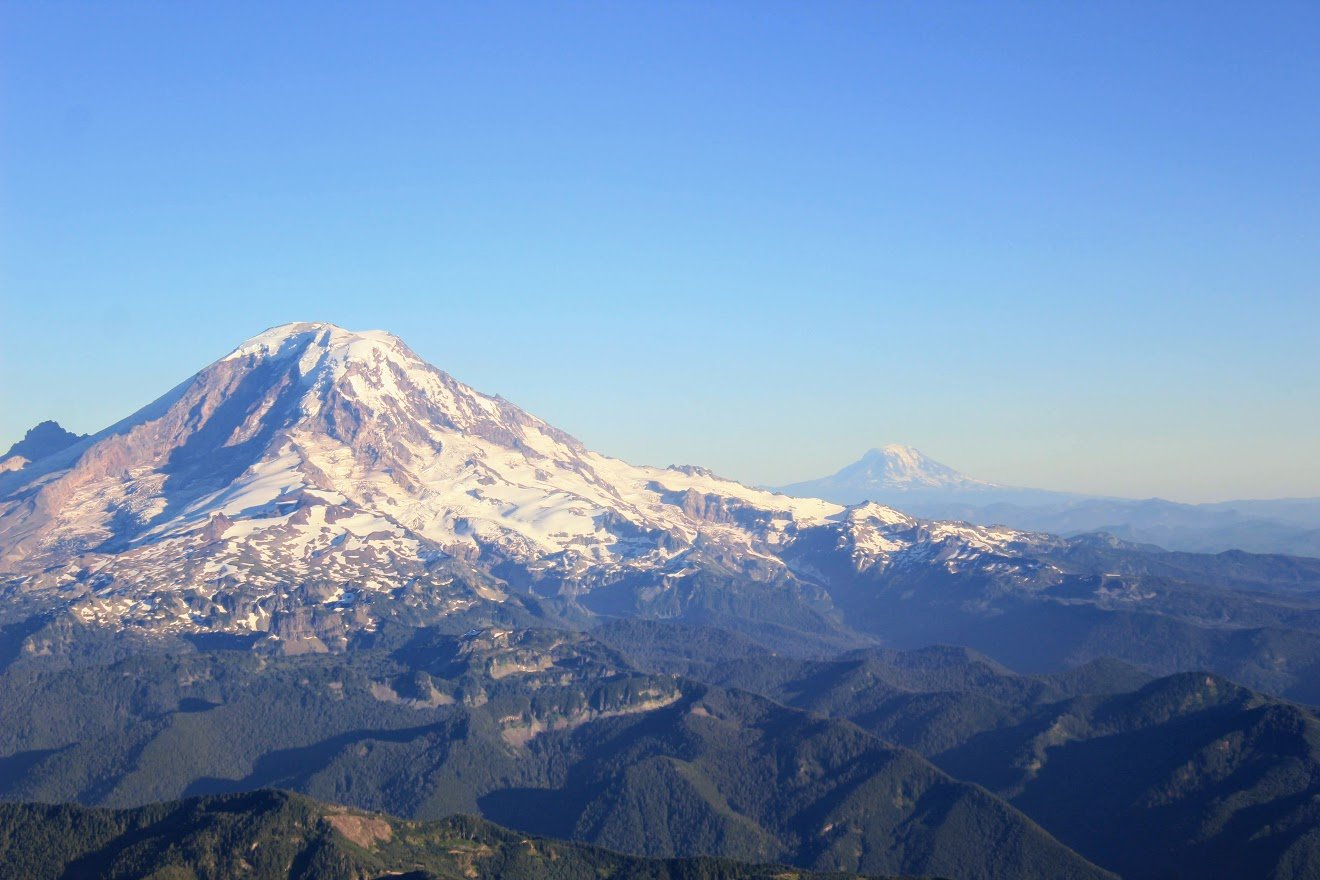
(273,835)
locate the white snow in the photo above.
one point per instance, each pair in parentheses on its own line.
(417,464)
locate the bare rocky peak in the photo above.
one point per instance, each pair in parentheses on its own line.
(40,441)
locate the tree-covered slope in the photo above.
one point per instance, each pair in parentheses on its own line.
(1193,775)
(274,835)
(645,737)
(547,731)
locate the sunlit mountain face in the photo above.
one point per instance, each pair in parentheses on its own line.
(319,470)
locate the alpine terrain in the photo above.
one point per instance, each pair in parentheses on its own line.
(323,565)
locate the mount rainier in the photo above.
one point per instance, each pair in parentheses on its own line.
(314,467)
(316,483)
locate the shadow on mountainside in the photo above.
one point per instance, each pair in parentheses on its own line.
(210,459)
(292,768)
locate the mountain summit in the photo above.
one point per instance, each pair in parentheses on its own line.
(887,470)
(313,464)
(46,438)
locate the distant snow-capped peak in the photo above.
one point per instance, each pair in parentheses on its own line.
(888,471)
(898,466)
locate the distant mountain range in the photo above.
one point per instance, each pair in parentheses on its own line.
(905,478)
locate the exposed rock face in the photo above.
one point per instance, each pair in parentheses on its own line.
(46,438)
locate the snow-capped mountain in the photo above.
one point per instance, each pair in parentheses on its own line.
(313,466)
(888,470)
(317,486)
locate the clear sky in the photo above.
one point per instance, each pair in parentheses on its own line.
(1069,245)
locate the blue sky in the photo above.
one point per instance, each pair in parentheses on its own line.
(1071,245)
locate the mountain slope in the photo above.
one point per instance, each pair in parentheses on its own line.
(1194,776)
(324,459)
(546,731)
(1040,604)
(274,835)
